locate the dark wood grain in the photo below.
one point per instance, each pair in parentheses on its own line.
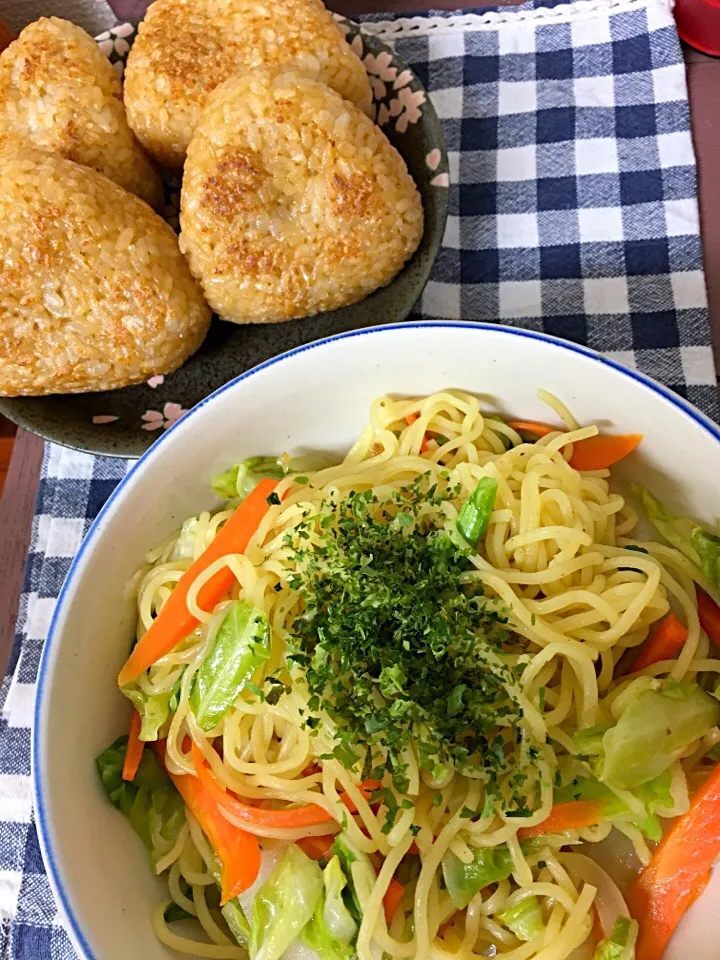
(16,512)
(703,75)
(17,503)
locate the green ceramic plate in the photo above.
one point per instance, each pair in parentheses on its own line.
(124,423)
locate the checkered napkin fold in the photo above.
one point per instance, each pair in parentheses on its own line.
(572,210)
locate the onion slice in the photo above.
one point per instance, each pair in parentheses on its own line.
(609,902)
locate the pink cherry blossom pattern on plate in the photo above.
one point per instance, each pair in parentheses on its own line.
(410,112)
(433,159)
(155,420)
(380,71)
(173,412)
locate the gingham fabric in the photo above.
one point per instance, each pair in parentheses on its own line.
(73,488)
(573,204)
(572,210)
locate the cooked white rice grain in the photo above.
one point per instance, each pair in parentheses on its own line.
(293,201)
(94,292)
(60,92)
(185,48)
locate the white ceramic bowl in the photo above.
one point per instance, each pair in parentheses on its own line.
(315,397)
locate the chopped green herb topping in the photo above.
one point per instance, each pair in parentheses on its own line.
(397,648)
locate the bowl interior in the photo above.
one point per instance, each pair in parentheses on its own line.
(230,349)
(316,397)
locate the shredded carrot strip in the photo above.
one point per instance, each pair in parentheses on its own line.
(392,899)
(135,747)
(678,872)
(317,847)
(239,852)
(307,816)
(175,622)
(602,451)
(573,815)
(666,640)
(528,426)
(593,453)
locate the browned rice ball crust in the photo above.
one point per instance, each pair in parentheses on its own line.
(60,92)
(94,292)
(293,201)
(185,48)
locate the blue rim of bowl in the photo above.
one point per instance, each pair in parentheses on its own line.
(41,814)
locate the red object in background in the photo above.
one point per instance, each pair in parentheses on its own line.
(6,34)
(6,447)
(698,23)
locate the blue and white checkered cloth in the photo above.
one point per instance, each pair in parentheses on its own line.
(573,204)
(573,210)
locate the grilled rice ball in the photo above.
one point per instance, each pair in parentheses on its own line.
(94,292)
(185,48)
(60,92)
(293,202)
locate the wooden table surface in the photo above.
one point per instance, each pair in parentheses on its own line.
(18,498)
